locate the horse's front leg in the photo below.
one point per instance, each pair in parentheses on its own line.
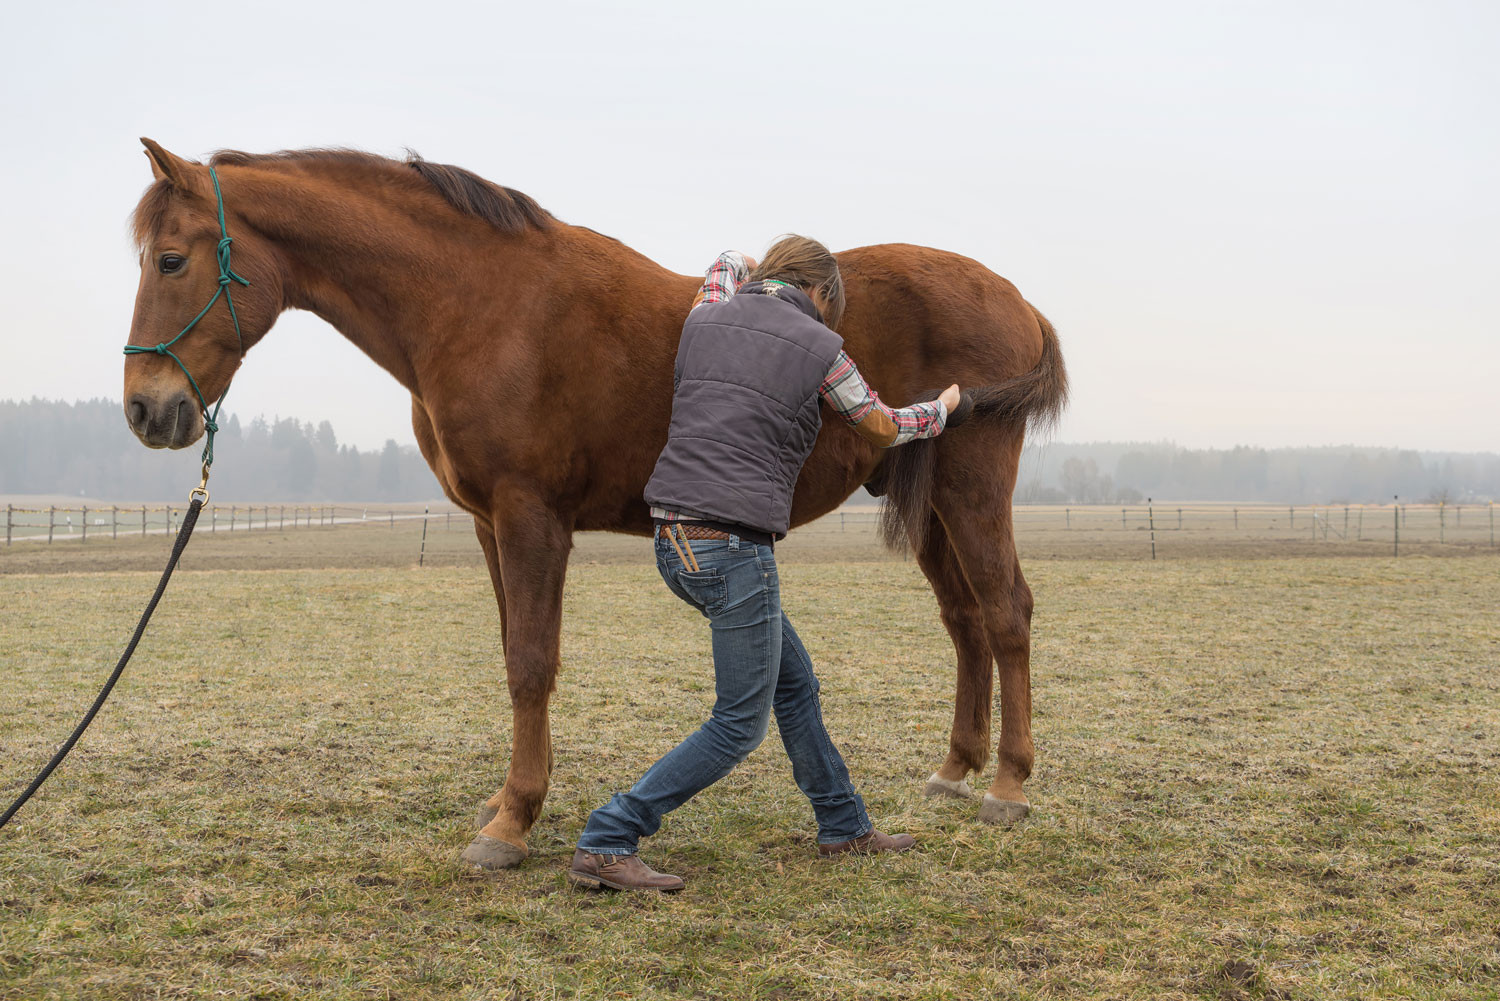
(532,545)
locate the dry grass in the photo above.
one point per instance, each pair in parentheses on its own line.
(1267,779)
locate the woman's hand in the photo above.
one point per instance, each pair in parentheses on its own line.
(950,397)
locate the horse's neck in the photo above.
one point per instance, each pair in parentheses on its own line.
(366,264)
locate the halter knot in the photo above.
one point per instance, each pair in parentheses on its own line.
(226,271)
(160,349)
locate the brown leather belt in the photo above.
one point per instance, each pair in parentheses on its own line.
(693,532)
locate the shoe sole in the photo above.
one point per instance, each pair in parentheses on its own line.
(586,881)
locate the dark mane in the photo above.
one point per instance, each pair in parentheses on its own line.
(507,209)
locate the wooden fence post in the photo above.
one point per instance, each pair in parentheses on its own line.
(7,524)
(114,521)
(143,521)
(1067,519)
(1291,513)
(1151,519)
(422,554)
(1236,519)
(1396,514)
(213,524)
(1442,521)
(51,517)
(1122,514)
(231,517)
(281,520)
(83,516)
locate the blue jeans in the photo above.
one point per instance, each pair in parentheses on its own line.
(759,665)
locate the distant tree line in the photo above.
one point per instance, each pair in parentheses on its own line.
(85,449)
(1116,473)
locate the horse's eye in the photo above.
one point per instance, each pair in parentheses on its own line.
(170,263)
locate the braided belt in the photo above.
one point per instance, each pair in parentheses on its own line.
(694,532)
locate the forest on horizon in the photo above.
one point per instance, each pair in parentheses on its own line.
(84,449)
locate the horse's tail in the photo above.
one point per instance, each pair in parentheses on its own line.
(906,477)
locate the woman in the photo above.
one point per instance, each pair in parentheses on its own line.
(754,362)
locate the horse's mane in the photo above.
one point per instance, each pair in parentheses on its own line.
(508,210)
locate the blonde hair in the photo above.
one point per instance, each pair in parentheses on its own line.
(807,264)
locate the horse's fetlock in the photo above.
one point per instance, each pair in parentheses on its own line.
(1016,762)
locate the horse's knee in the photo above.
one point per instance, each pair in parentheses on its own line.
(530,685)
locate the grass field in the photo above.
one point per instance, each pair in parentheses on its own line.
(1268,778)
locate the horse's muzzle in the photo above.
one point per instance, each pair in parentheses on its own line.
(171,422)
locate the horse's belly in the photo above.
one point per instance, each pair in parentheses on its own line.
(840,462)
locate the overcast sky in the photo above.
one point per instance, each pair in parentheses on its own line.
(1251,223)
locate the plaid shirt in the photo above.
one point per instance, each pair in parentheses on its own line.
(843,389)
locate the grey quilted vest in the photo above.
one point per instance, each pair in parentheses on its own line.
(745,412)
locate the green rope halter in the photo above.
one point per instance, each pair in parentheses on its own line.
(226,276)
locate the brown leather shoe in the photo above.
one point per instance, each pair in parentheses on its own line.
(871,844)
(619,872)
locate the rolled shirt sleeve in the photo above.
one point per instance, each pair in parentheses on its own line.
(847,393)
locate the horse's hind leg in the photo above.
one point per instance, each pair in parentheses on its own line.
(968,742)
(972,499)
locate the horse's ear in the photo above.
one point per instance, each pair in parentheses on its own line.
(167,166)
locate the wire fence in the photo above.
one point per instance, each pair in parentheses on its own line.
(1145,530)
(1155,525)
(108,522)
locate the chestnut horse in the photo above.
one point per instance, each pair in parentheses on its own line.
(539,359)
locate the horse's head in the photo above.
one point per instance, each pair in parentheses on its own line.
(177,230)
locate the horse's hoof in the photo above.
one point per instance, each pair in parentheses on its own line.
(492,853)
(487,813)
(1002,811)
(953,789)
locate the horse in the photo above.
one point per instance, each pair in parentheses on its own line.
(539,358)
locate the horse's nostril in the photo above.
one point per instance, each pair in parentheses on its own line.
(137,415)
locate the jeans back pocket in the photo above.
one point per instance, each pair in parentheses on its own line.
(707,588)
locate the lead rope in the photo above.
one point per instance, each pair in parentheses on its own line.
(198,496)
